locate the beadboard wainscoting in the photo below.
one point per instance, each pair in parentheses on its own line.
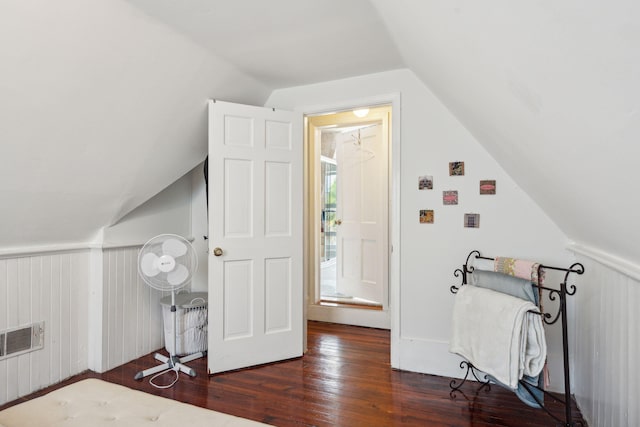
(132,323)
(50,287)
(607,345)
(91,321)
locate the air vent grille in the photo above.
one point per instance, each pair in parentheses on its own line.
(17,341)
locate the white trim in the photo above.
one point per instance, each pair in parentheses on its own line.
(95,322)
(349,315)
(617,263)
(394,232)
(28,251)
(373,101)
(133,243)
(36,250)
(328,160)
(431,356)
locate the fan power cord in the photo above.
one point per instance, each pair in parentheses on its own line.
(162,373)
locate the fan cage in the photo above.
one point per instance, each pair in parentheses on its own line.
(160,281)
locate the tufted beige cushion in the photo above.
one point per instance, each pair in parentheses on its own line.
(96,403)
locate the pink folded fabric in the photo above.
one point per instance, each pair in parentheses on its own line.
(523,269)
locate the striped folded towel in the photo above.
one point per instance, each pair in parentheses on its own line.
(519,268)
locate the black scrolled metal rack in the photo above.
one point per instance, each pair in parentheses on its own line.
(548,318)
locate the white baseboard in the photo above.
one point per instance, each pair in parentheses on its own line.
(428,357)
(350,316)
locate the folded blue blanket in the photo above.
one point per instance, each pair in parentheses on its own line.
(514,286)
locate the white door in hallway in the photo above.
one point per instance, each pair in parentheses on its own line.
(255,236)
(362,209)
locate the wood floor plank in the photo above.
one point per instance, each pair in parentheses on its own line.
(345,379)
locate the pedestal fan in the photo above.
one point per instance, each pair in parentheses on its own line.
(167,263)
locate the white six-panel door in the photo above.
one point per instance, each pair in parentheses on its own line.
(362,207)
(255,219)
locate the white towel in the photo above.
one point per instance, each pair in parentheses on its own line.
(495,332)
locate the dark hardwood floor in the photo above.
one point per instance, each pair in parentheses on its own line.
(345,379)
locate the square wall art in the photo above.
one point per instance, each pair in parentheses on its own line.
(488,186)
(426,216)
(472,220)
(456,168)
(449,197)
(425,182)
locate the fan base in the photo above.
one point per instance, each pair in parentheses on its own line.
(173,362)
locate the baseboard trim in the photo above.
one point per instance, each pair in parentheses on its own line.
(350,316)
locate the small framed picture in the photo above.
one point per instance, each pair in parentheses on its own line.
(426,216)
(472,220)
(450,197)
(488,186)
(425,182)
(456,168)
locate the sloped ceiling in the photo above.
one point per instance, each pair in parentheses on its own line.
(101,108)
(102,102)
(285,43)
(551,90)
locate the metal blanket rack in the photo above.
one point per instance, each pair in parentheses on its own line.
(548,318)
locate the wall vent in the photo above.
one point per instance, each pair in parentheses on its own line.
(17,341)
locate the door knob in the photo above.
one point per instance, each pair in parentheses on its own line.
(338,221)
(217,251)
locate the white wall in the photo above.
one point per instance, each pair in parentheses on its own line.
(511,223)
(53,288)
(179,209)
(95,121)
(607,345)
(550,89)
(167,212)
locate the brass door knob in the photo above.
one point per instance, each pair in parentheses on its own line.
(217,251)
(338,221)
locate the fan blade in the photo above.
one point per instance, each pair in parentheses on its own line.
(174,247)
(149,265)
(178,276)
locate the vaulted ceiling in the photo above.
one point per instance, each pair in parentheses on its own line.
(102,102)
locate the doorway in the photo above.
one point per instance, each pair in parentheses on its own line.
(348,170)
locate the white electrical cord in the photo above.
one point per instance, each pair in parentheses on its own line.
(162,373)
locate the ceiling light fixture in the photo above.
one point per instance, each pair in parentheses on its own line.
(361,112)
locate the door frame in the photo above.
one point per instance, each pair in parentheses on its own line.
(310,270)
(316,125)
